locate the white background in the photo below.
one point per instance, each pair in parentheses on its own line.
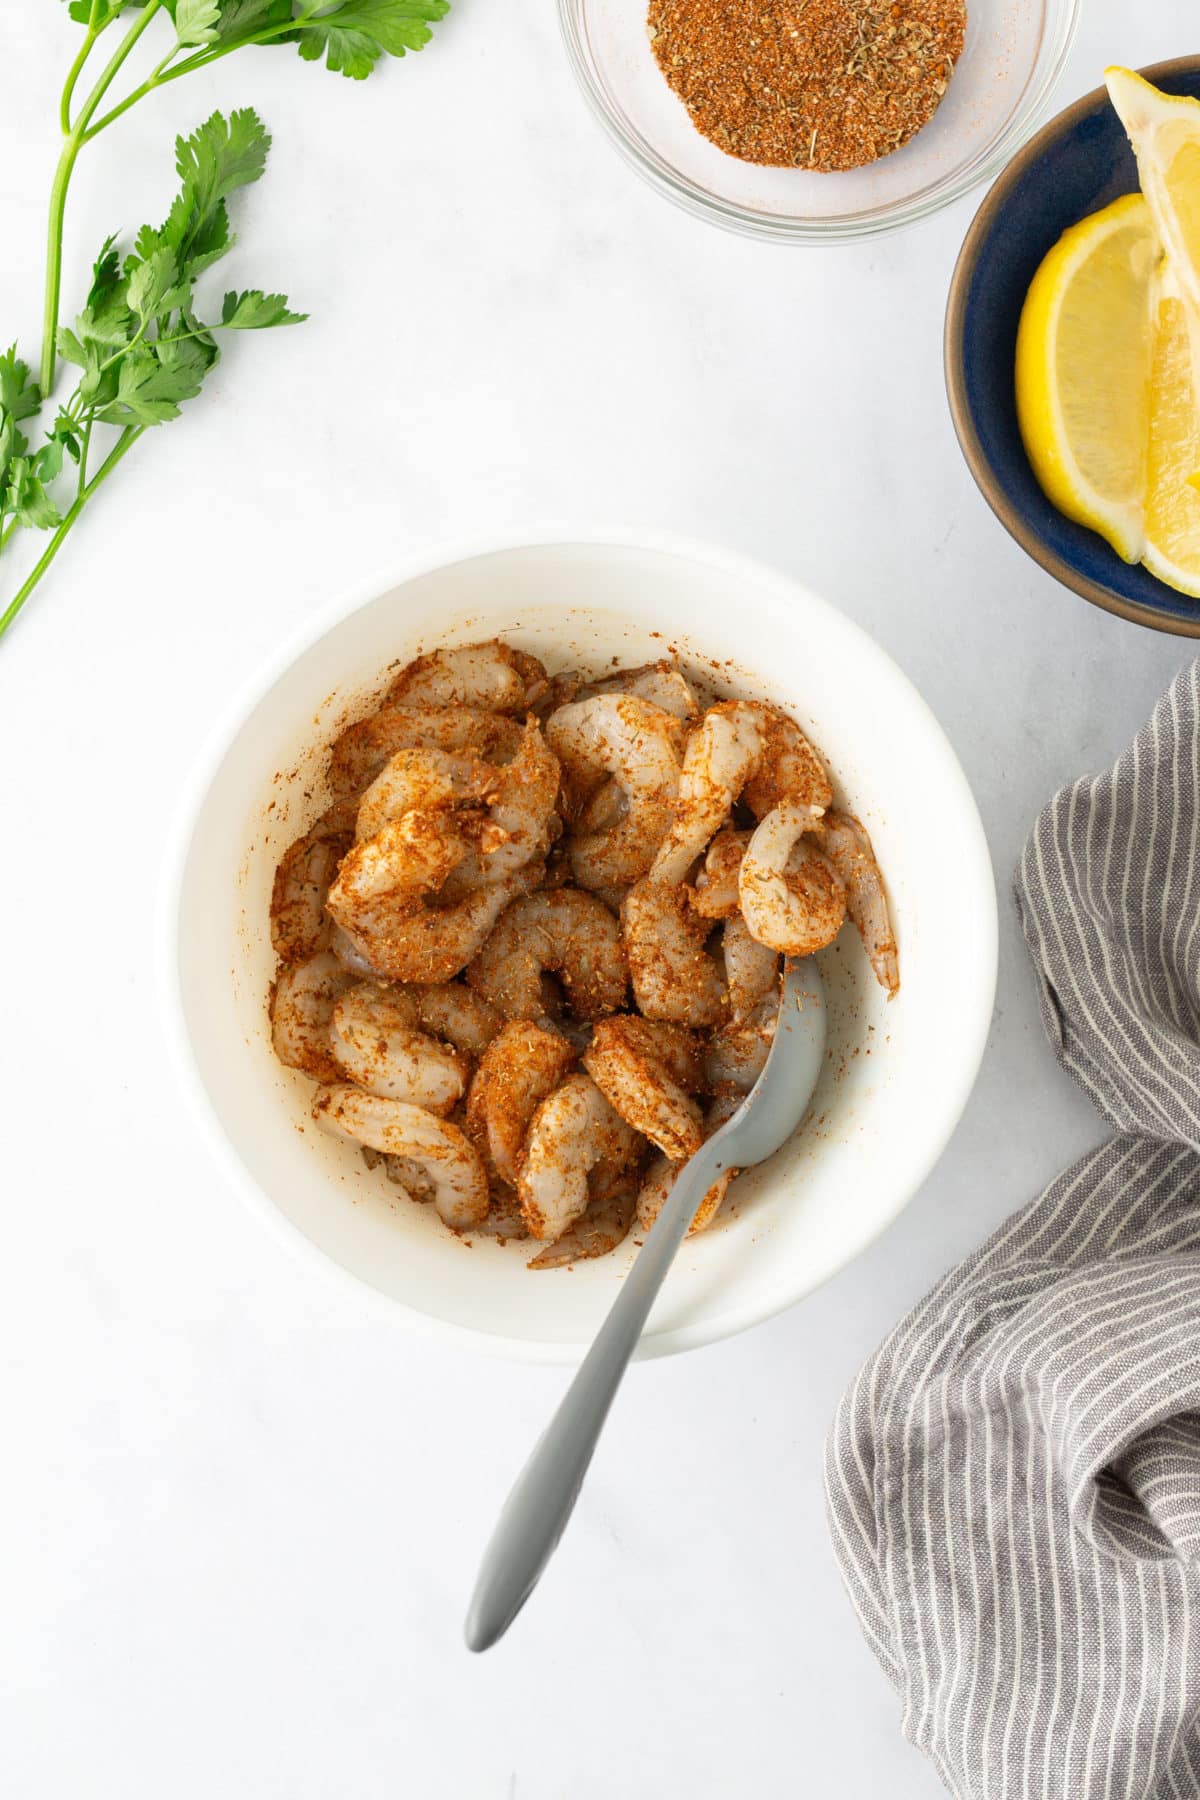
(239,1517)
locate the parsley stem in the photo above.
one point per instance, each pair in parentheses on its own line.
(73,74)
(62,181)
(200,59)
(84,447)
(125,442)
(155,79)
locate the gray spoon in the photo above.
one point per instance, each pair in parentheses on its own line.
(544,1495)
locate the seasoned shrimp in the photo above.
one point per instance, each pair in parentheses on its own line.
(737,1054)
(508,815)
(521,818)
(504,1220)
(845,845)
(383,884)
(451,1010)
(622,736)
(349,955)
(660,1177)
(610,1209)
(361,751)
(436,1161)
(572,1131)
(740,748)
(554,842)
(751,968)
(673,975)
(788,769)
(427,944)
(373,1042)
(647,1071)
(794,906)
(388,875)
(715,894)
(559,931)
(664,684)
(447,1009)
(302,882)
(420,780)
(492,675)
(521,1067)
(302,1004)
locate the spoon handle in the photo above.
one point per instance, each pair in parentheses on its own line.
(544,1494)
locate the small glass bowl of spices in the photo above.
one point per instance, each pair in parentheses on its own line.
(818,119)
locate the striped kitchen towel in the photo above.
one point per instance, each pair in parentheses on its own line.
(1014,1478)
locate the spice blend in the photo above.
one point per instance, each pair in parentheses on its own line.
(815,84)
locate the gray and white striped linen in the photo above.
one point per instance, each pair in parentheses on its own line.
(1014,1478)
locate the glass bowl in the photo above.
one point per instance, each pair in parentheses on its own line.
(999,93)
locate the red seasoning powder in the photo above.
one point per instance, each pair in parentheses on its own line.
(812,84)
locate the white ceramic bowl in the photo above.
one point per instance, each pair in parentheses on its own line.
(898,1074)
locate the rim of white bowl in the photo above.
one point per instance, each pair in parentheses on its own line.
(976,871)
(836,228)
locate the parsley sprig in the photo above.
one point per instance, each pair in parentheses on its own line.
(139,343)
(350,35)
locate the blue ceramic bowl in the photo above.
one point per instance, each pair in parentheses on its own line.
(1079,162)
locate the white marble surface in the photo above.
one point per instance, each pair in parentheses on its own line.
(239,1516)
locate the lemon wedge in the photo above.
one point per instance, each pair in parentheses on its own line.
(1164,130)
(1085,359)
(1172,546)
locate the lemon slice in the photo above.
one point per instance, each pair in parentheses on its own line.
(1164,130)
(1172,547)
(1085,351)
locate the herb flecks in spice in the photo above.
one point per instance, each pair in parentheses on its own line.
(813,84)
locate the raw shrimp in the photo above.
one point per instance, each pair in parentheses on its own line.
(846,846)
(660,1177)
(451,1010)
(302,1004)
(302,881)
(572,1131)
(388,875)
(796,907)
(647,1071)
(361,751)
(560,931)
(737,1054)
(662,683)
(437,1161)
(420,780)
(507,813)
(348,953)
(379,897)
(789,768)
(751,968)
(521,1067)
(634,742)
(430,944)
(739,748)
(599,1229)
(673,975)
(715,894)
(521,818)
(504,1220)
(492,675)
(375,1046)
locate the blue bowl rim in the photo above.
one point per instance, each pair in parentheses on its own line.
(956,387)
